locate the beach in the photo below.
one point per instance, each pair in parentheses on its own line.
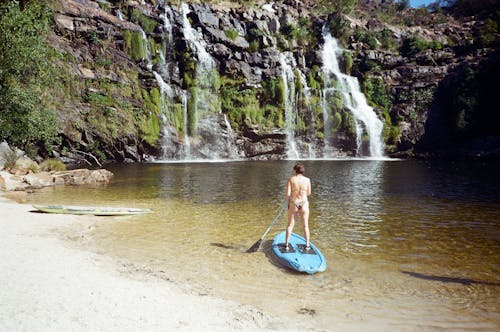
(48,284)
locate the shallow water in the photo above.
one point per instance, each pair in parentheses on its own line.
(410,245)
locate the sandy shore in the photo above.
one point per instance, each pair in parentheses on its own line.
(48,285)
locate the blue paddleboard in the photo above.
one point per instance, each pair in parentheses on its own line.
(297,257)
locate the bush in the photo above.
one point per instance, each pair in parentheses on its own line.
(231,34)
(24,71)
(488,34)
(53,164)
(375,91)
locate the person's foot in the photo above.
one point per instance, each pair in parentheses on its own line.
(286,247)
(308,247)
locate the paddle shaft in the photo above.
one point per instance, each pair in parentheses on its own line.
(257,244)
(274,220)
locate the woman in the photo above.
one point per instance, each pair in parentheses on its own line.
(297,190)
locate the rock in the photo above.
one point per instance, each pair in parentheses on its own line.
(86,73)
(40,180)
(82,176)
(24,165)
(64,22)
(205,16)
(220,36)
(12,182)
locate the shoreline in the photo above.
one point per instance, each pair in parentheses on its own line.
(49,284)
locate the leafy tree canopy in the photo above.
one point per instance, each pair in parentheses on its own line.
(24,70)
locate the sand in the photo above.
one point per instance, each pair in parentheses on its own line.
(48,284)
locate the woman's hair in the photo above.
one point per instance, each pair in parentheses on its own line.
(299,168)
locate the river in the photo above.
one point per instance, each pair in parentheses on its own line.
(410,245)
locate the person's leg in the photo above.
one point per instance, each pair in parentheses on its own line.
(304,213)
(291,222)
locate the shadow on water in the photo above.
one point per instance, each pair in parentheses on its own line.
(463,281)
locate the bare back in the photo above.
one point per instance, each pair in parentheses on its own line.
(298,188)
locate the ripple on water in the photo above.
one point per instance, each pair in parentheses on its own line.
(403,251)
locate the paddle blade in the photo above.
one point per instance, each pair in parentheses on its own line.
(255,246)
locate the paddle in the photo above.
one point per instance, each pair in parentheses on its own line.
(257,244)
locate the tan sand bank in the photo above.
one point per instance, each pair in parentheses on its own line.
(46,284)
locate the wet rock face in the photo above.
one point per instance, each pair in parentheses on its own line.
(246,44)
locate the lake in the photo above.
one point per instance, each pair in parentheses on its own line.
(410,245)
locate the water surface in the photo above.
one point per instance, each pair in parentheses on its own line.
(410,245)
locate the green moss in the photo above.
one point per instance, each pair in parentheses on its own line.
(348,61)
(178,117)
(348,123)
(134,44)
(231,34)
(147,24)
(192,114)
(336,121)
(150,128)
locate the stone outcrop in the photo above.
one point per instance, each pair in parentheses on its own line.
(11,182)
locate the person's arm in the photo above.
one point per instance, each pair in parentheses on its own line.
(288,190)
(308,187)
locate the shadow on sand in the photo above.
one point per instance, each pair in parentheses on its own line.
(463,281)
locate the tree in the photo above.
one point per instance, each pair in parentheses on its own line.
(24,71)
(403,4)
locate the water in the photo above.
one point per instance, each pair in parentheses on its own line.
(288,77)
(410,245)
(353,99)
(206,114)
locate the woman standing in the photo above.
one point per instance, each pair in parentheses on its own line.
(297,190)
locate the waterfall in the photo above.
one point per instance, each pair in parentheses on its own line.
(119,14)
(296,147)
(230,139)
(306,95)
(352,97)
(288,77)
(205,67)
(187,142)
(206,111)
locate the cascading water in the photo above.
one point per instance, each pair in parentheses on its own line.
(206,113)
(352,97)
(306,96)
(296,147)
(288,77)
(205,67)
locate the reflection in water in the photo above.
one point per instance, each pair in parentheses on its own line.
(386,229)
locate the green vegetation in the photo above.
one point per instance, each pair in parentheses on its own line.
(231,34)
(25,118)
(52,164)
(301,32)
(147,24)
(487,35)
(10,158)
(375,92)
(135,44)
(413,45)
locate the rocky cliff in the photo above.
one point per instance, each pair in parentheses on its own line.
(176,81)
